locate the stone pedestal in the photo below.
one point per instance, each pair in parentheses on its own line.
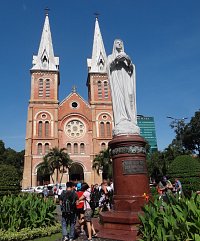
(131,183)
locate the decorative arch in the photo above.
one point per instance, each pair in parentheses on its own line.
(76,172)
(41,179)
(45,112)
(104,113)
(49,118)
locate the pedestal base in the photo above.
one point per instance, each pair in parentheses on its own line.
(131,186)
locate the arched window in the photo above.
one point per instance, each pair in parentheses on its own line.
(39,149)
(108,130)
(105,89)
(102,129)
(40,129)
(103,146)
(75,148)
(99,90)
(47,87)
(46,148)
(82,148)
(46,129)
(40,89)
(69,148)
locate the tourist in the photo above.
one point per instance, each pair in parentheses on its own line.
(104,203)
(160,188)
(68,201)
(168,185)
(177,187)
(88,211)
(80,209)
(45,192)
(59,191)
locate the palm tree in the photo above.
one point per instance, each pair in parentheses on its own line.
(103,162)
(59,160)
(45,170)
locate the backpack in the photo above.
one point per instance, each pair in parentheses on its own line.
(69,202)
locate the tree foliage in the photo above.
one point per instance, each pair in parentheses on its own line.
(103,162)
(57,160)
(14,161)
(9,180)
(191,136)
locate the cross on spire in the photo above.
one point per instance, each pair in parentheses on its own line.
(74,89)
(96,14)
(46,11)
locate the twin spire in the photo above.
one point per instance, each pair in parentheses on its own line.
(98,62)
(45,59)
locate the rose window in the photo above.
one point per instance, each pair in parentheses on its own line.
(75,128)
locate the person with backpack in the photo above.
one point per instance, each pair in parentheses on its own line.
(88,211)
(80,209)
(68,199)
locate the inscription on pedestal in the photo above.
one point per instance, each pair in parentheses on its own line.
(133,167)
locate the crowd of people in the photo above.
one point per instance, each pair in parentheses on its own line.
(79,202)
(164,186)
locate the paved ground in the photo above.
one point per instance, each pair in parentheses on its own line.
(111,235)
(83,237)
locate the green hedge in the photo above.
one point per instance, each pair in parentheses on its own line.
(176,220)
(26,211)
(187,169)
(9,180)
(29,233)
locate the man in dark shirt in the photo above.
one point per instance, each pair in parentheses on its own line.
(68,200)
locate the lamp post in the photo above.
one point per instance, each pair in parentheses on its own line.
(178,124)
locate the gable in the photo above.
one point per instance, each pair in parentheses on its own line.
(74,104)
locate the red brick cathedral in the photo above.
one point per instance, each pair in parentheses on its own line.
(83,127)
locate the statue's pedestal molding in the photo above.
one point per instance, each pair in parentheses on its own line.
(131,184)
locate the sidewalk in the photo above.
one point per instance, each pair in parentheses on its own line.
(112,235)
(83,237)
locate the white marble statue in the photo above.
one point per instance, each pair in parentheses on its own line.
(121,74)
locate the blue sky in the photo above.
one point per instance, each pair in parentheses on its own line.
(161,37)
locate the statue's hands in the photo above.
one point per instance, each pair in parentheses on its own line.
(122,57)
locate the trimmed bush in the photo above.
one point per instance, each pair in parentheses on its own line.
(9,180)
(176,220)
(29,233)
(187,169)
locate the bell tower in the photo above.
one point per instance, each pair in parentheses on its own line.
(42,120)
(99,95)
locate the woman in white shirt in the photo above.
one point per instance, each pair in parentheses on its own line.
(88,211)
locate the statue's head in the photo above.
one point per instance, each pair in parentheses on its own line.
(118,46)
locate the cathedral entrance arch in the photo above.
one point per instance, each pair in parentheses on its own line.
(43,177)
(76,173)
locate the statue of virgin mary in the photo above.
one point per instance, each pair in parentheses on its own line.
(121,74)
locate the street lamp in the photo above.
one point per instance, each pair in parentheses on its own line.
(178,123)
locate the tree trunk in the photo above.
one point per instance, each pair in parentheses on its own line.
(62,175)
(57,176)
(52,178)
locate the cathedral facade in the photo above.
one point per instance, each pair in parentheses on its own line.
(83,127)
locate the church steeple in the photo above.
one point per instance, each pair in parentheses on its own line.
(98,62)
(45,59)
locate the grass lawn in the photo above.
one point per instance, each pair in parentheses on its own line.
(53,237)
